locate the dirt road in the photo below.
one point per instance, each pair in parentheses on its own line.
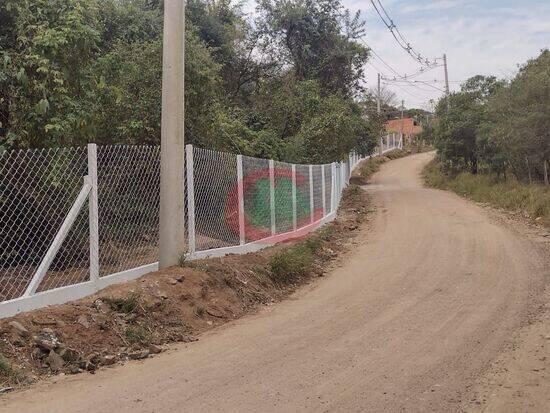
(407,322)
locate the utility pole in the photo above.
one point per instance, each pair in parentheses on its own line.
(379,110)
(172,150)
(446,80)
(402,118)
(379,97)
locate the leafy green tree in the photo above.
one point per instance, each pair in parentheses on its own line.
(457,133)
(45,80)
(519,120)
(318,39)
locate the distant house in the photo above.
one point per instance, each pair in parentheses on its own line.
(408,126)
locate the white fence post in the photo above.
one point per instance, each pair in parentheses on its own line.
(311,206)
(332,186)
(323,190)
(93,213)
(240,201)
(294,205)
(192,244)
(272,194)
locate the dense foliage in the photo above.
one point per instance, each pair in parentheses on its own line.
(285,86)
(496,126)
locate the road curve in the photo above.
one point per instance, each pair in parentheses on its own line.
(419,308)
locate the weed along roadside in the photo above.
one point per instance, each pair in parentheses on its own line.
(138,319)
(531,201)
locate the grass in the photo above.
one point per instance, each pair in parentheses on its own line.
(532,200)
(352,193)
(371,166)
(127,305)
(8,375)
(396,154)
(200,311)
(137,335)
(295,262)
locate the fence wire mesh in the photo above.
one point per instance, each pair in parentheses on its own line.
(257,198)
(129,198)
(317,192)
(216,199)
(328,187)
(303,206)
(37,190)
(284,215)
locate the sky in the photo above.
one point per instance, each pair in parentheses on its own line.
(488,37)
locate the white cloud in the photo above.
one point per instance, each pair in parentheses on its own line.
(432,6)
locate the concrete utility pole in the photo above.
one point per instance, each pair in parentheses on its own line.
(172,150)
(379,110)
(402,118)
(379,97)
(447,92)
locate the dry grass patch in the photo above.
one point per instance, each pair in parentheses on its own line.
(532,201)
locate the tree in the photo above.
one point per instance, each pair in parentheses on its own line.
(45,78)
(457,133)
(519,120)
(317,39)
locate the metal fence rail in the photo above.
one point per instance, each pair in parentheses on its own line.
(74,220)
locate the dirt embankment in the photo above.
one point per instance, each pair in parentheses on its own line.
(136,319)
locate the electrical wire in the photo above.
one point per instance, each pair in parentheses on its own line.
(411,85)
(414,81)
(398,36)
(421,98)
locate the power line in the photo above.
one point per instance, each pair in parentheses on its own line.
(398,36)
(414,81)
(380,58)
(408,92)
(403,78)
(408,85)
(420,72)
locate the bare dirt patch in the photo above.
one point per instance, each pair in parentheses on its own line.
(137,319)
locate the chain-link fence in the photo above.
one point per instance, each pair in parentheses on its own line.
(128,214)
(74,216)
(37,190)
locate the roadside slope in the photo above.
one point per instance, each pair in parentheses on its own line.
(428,298)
